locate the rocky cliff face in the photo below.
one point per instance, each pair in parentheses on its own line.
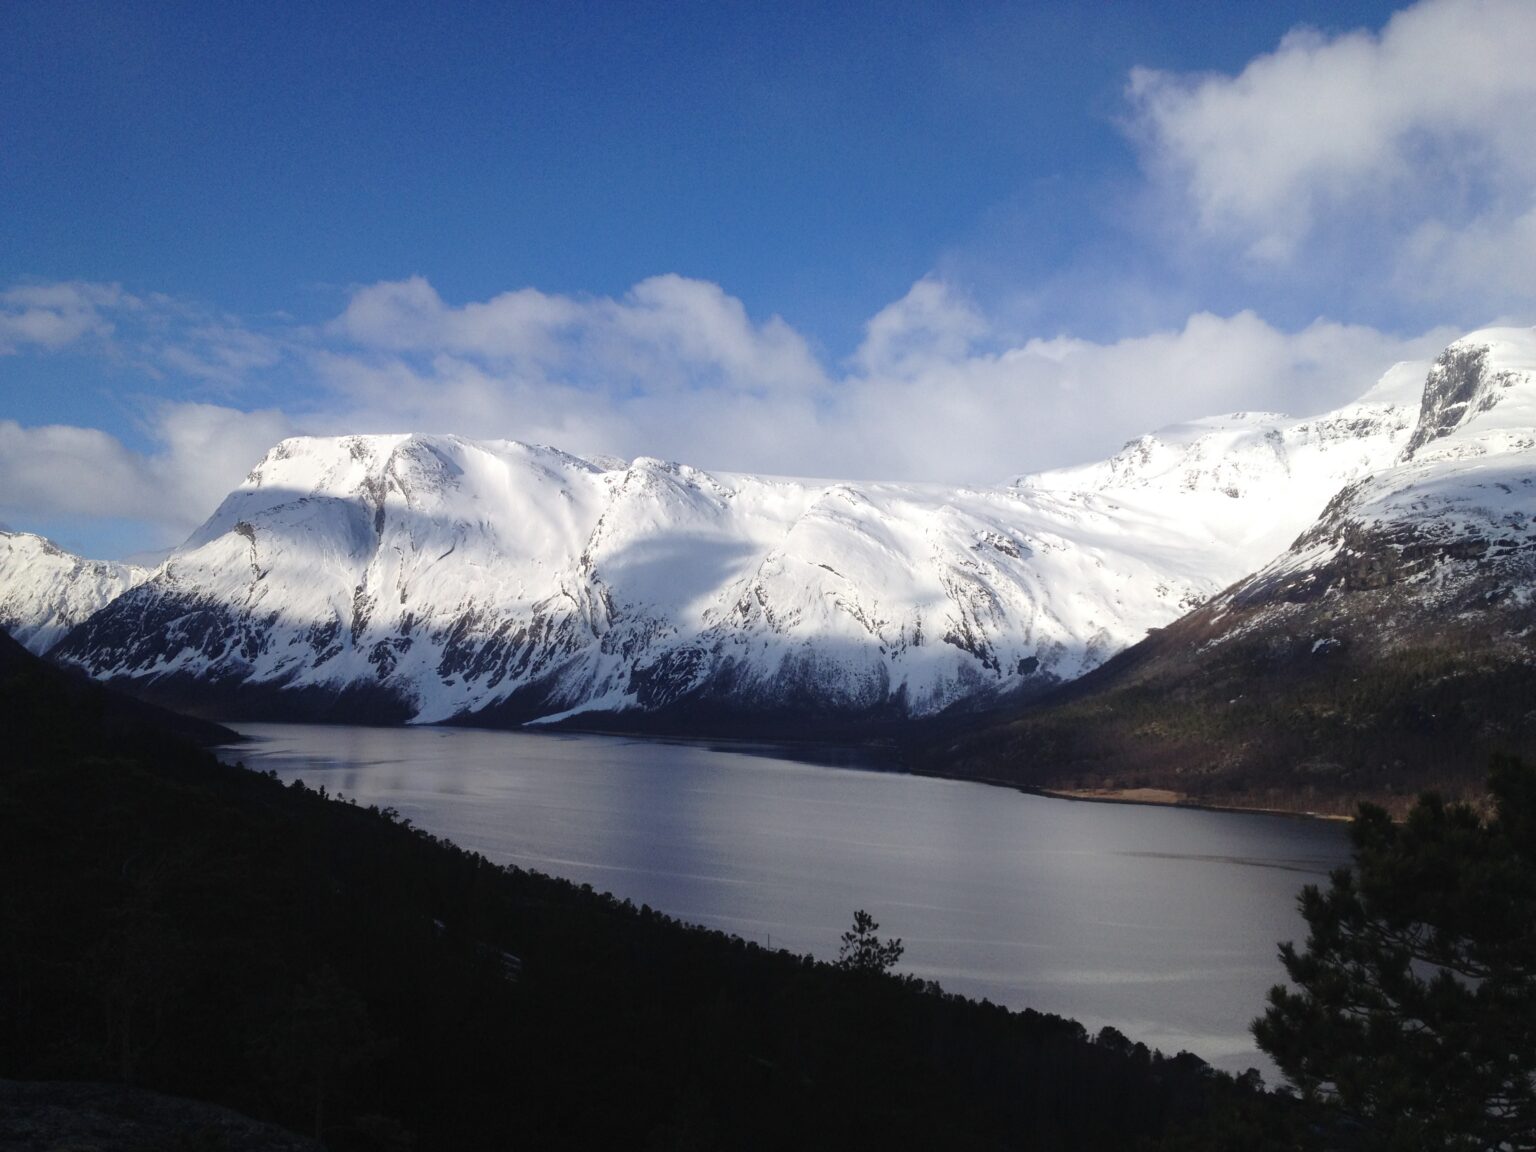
(1391,646)
(1443,538)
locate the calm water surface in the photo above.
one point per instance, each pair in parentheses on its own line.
(1162,922)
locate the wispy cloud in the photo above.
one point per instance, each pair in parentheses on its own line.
(53,316)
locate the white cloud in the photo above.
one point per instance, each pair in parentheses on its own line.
(1052,402)
(667,332)
(1421,131)
(671,329)
(61,469)
(201,451)
(405,315)
(372,393)
(52,316)
(932,324)
(1491,261)
(204,450)
(677,368)
(221,353)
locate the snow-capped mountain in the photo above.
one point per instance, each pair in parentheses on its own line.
(1455,515)
(1391,647)
(45,591)
(433,578)
(1254,480)
(440,578)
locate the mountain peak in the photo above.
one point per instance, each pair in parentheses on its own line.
(45,591)
(1481,386)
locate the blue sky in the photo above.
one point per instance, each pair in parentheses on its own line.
(908,240)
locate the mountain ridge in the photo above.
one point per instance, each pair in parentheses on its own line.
(544,586)
(46,591)
(1387,650)
(439,579)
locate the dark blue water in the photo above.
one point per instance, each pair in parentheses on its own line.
(1163,922)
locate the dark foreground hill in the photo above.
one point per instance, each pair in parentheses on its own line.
(99,715)
(180,925)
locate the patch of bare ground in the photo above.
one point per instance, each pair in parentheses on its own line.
(1168,798)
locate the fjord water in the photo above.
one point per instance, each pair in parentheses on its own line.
(1162,922)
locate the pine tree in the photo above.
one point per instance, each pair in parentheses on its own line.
(862,950)
(1413,1016)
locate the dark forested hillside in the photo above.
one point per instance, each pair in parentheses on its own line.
(174,923)
(1302,714)
(49,707)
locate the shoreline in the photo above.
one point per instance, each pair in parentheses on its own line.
(1143,797)
(1166,798)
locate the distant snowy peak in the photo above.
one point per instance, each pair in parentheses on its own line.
(1256,453)
(1450,527)
(1253,479)
(1480,397)
(45,591)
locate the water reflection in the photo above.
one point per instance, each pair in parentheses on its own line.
(1162,922)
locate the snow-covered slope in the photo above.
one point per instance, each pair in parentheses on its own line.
(458,577)
(435,578)
(1254,479)
(1457,511)
(1391,648)
(45,591)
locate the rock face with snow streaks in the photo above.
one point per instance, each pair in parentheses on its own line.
(1449,529)
(45,591)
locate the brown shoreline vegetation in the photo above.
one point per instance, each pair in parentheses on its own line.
(1167,798)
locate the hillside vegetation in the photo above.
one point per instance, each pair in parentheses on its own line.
(174,923)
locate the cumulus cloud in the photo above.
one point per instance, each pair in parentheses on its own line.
(668,332)
(934,392)
(1444,95)
(1405,153)
(199,452)
(678,368)
(931,325)
(405,315)
(690,333)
